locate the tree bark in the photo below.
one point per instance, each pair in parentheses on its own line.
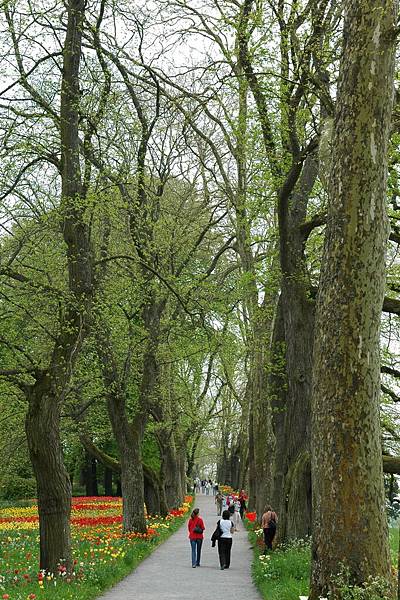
(108,481)
(53,484)
(128,436)
(171,471)
(277,392)
(46,395)
(151,493)
(350,526)
(298,317)
(391,464)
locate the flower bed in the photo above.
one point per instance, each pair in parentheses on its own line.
(102,553)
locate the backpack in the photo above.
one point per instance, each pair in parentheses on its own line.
(198,528)
(272,522)
(216,534)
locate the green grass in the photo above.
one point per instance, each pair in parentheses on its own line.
(285,573)
(394,543)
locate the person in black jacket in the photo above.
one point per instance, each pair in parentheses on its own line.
(242,501)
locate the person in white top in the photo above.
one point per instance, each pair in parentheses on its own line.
(236,516)
(225,541)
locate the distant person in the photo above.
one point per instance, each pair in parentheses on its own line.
(218,502)
(225,541)
(215,489)
(268,523)
(196,528)
(203,486)
(207,488)
(235,515)
(231,510)
(242,502)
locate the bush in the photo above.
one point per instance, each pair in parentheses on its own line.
(373,589)
(13,487)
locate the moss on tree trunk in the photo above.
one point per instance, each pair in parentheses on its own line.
(348,498)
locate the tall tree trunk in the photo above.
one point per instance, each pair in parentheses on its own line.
(182,470)
(298,316)
(46,395)
(129,438)
(151,492)
(53,484)
(350,526)
(278,393)
(108,481)
(252,473)
(264,438)
(90,475)
(170,468)
(94,486)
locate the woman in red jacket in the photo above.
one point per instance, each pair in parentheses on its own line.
(196,528)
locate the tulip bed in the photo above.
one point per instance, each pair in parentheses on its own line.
(102,553)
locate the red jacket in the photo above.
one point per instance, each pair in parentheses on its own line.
(192,524)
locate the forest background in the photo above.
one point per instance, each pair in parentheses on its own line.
(168,173)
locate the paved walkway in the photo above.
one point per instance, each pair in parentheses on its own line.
(168,575)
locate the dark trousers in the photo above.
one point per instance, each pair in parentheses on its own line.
(269,535)
(196,552)
(241,512)
(224,552)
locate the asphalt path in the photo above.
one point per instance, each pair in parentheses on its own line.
(167,574)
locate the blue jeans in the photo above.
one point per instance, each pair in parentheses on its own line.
(196,552)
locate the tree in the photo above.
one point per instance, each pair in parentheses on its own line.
(46,395)
(349,521)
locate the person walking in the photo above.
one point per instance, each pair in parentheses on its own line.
(218,501)
(231,509)
(225,541)
(196,528)
(235,515)
(242,501)
(268,523)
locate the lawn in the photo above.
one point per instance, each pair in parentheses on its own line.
(102,554)
(284,574)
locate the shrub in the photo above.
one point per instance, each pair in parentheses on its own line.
(13,487)
(373,589)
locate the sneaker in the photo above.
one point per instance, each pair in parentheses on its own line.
(222,568)
(193,566)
